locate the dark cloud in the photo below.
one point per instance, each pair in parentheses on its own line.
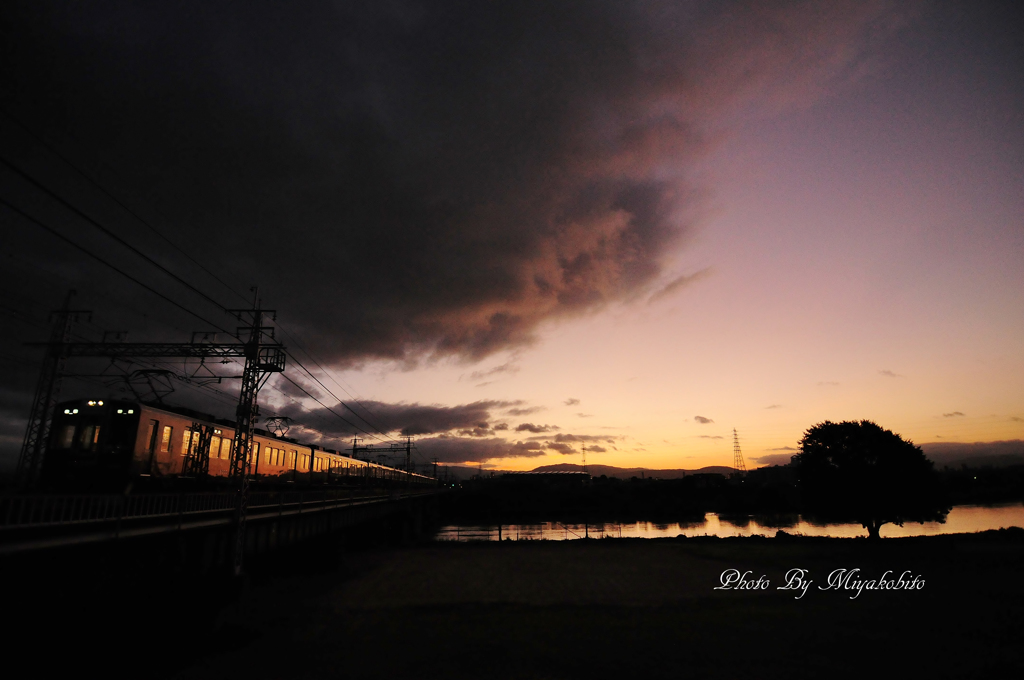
(702,420)
(710,436)
(524,411)
(954,414)
(411,179)
(507,367)
(566,437)
(773,406)
(783,448)
(679,283)
(1017,419)
(564,449)
(530,427)
(451,449)
(597,449)
(571,401)
(774,459)
(403,419)
(889,374)
(584,415)
(405,180)
(996,454)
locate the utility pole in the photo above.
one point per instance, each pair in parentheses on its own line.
(37,434)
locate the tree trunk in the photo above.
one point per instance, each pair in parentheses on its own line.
(873,528)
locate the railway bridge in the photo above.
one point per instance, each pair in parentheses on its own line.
(200,528)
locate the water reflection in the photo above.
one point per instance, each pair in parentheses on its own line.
(962,519)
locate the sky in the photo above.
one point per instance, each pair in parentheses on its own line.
(515,230)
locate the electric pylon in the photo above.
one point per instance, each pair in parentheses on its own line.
(737,455)
(37,434)
(263,356)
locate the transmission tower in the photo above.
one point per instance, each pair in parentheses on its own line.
(263,356)
(737,455)
(37,434)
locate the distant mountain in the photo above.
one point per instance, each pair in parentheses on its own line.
(626,473)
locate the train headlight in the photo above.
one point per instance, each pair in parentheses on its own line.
(120,410)
(67,410)
(100,403)
(131,410)
(92,403)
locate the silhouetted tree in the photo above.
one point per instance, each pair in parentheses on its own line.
(860,472)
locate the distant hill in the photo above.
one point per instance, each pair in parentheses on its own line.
(626,473)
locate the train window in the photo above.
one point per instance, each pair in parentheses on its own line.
(254,453)
(186,436)
(90,435)
(67,437)
(291,458)
(151,433)
(85,436)
(225,448)
(214,446)
(165,439)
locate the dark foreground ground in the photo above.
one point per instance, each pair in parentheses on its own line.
(577,609)
(636,609)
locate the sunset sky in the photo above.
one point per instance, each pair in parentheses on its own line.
(511,229)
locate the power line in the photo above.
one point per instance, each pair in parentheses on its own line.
(114,198)
(310,374)
(341,417)
(108,264)
(168,272)
(109,233)
(335,381)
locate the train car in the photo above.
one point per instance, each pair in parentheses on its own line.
(115,441)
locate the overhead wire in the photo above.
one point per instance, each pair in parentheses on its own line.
(42,141)
(162,268)
(46,190)
(117,269)
(341,417)
(49,147)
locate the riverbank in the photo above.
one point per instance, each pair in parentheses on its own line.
(633,608)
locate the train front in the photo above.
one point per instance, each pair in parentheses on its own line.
(91,445)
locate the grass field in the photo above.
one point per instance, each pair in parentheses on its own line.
(630,609)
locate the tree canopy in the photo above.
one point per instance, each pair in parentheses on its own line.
(859,472)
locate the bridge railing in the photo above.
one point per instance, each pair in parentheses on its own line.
(18,511)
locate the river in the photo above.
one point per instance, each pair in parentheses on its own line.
(961,519)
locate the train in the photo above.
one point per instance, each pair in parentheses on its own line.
(110,441)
